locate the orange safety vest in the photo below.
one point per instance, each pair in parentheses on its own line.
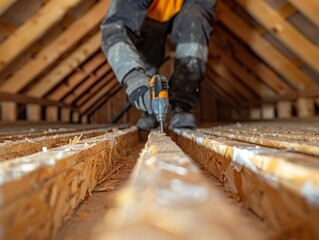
(164,10)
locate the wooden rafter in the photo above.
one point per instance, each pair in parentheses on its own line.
(92,88)
(227,76)
(220,93)
(292,38)
(33,29)
(265,73)
(262,47)
(67,66)
(309,8)
(258,87)
(79,75)
(49,54)
(226,86)
(85,87)
(5,5)
(103,91)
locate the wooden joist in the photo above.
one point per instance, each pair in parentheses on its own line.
(167,197)
(41,191)
(279,186)
(33,29)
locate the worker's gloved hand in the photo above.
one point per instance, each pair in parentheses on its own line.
(137,89)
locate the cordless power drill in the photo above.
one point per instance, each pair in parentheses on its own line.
(159,94)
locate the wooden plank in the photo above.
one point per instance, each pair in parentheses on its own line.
(5,5)
(258,44)
(309,8)
(259,177)
(258,87)
(88,69)
(20,148)
(167,197)
(64,176)
(264,72)
(50,53)
(296,143)
(8,111)
(103,72)
(33,29)
(66,66)
(290,36)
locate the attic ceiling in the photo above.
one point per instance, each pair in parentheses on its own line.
(260,49)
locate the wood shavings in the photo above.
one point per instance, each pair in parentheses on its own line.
(27,139)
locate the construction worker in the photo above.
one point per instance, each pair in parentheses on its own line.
(134,33)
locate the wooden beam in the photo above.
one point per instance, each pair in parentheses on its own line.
(284,109)
(85,87)
(220,94)
(227,87)
(66,66)
(94,89)
(262,47)
(258,87)
(87,105)
(255,175)
(305,107)
(79,75)
(63,177)
(33,29)
(290,36)
(167,186)
(226,74)
(5,5)
(309,8)
(52,114)
(263,71)
(59,46)
(19,98)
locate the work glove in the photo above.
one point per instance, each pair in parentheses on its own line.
(137,89)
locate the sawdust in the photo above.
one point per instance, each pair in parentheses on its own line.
(91,212)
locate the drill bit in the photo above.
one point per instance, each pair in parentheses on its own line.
(162,126)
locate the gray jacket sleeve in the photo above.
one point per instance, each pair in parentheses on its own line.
(120,29)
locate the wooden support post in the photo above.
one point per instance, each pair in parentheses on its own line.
(51,113)
(284,109)
(65,114)
(75,117)
(167,197)
(33,112)
(305,107)
(8,111)
(268,111)
(40,192)
(255,113)
(84,119)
